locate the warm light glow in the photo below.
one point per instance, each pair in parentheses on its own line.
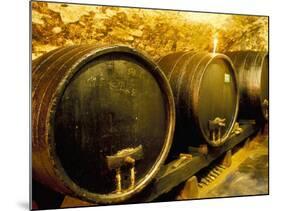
(217,21)
(215,43)
(157,32)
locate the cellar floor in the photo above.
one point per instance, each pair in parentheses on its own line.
(247,175)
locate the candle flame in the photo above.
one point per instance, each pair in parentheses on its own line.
(215,43)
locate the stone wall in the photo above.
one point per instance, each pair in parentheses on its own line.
(157,32)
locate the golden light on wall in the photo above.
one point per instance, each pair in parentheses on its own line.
(157,32)
(215,45)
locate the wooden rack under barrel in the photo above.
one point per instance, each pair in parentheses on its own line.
(183,168)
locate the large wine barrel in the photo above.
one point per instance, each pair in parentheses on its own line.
(102,121)
(252,68)
(206,97)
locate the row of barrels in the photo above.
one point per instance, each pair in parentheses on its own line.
(104,118)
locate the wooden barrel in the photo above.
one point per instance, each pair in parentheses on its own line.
(102,121)
(206,97)
(252,68)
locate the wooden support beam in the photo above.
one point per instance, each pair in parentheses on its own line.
(74,202)
(226,161)
(190,190)
(178,171)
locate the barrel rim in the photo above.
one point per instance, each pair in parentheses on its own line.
(226,135)
(170,112)
(265,55)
